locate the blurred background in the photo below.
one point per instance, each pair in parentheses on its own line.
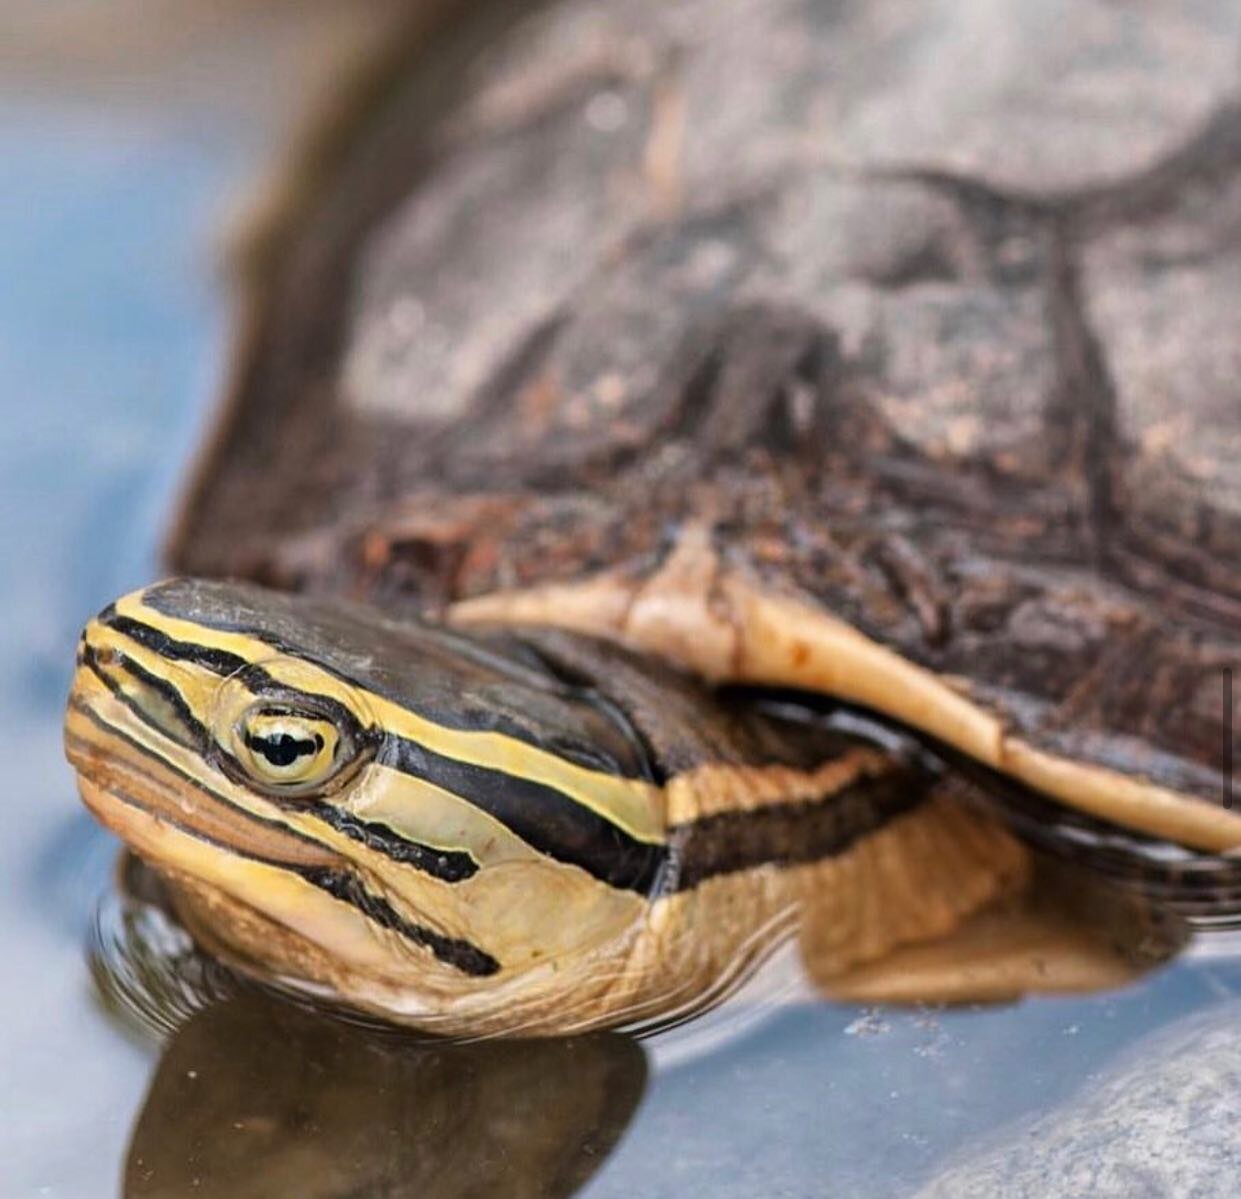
(134,136)
(137,143)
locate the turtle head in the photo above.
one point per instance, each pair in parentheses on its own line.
(431,827)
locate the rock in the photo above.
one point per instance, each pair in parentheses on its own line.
(1164,1121)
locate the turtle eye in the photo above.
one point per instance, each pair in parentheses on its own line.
(288,750)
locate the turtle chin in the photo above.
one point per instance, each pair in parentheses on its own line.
(260,945)
(410,988)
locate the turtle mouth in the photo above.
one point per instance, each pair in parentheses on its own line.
(126,798)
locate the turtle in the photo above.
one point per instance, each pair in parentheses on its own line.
(697,475)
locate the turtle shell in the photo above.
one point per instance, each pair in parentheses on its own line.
(883,349)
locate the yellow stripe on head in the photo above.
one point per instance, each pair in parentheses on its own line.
(634,805)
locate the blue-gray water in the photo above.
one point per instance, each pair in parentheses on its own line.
(110,330)
(113,328)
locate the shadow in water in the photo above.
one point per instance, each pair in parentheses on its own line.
(257,1097)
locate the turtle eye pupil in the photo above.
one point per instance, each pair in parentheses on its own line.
(283,749)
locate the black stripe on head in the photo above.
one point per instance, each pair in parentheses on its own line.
(794,833)
(453,951)
(344,886)
(217,661)
(452,682)
(546,819)
(457,681)
(448,865)
(194,728)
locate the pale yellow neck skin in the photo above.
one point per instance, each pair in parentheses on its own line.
(931,907)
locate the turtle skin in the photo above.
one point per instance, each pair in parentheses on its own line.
(881,349)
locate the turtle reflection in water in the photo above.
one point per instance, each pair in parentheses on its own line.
(590,470)
(323,1109)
